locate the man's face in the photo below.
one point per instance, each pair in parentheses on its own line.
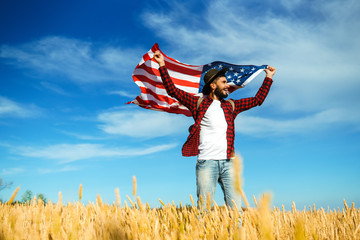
(221,90)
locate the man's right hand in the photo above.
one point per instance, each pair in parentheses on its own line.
(159,58)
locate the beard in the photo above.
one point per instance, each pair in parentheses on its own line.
(220,93)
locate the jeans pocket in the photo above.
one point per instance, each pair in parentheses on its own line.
(200,162)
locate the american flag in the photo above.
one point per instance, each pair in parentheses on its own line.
(186,77)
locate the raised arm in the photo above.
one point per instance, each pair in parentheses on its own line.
(185,98)
(247,103)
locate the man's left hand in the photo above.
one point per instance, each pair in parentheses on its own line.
(270,71)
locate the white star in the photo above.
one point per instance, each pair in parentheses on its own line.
(253,69)
(231,69)
(242,70)
(220,66)
(229,77)
(235,74)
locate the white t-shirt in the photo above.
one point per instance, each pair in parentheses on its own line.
(213,126)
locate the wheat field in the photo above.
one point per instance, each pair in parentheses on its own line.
(136,220)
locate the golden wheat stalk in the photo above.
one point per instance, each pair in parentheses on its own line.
(235,205)
(200,203)
(192,200)
(140,204)
(216,207)
(60,200)
(132,203)
(300,229)
(237,163)
(255,201)
(162,203)
(99,200)
(80,192)
(293,207)
(208,201)
(266,227)
(118,199)
(346,206)
(11,200)
(357,229)
(134,186)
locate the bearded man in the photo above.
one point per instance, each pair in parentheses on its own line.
(212,136)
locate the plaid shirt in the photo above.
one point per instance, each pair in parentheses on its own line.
(191,146)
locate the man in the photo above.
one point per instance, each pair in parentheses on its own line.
(212,136)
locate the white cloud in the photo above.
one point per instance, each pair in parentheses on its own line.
(54,88)
(83,136)
(65,153)
(123,94)
(80,61)
(312,123)
(56,170)
(290,4)
(11,171)
(147,124)
(316,55)
(14,109)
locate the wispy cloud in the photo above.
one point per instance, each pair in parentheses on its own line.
(11,171)
(54,88)
(57,170)
(65,153)
(10,108)
(79,61)
(312,123)
(84,136)
(123,94)
(314,47)
(142,123)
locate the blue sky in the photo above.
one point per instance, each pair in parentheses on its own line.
(65,72)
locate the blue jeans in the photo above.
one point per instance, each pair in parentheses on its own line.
(211,172)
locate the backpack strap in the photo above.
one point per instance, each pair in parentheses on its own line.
(232,104)
(199,102)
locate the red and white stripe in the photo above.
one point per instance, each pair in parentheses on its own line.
(153,93)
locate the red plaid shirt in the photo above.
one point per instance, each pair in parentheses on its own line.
(191,146)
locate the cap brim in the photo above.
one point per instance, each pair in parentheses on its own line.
(219,73)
